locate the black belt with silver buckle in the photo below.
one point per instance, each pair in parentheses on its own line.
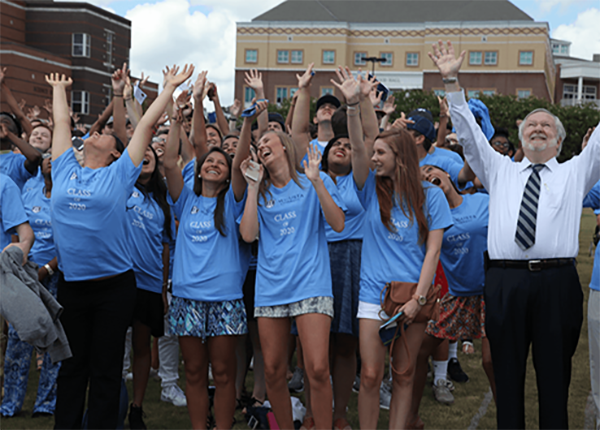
(532,265)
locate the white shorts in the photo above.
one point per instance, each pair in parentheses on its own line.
(371,311)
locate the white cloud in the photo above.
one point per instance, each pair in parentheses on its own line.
(548,5)
(583,34)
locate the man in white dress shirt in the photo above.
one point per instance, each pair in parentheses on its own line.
(532,292)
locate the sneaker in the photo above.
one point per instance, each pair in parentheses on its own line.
(455,372)
(356,385)
(154,374)
(449,384)
(136,415)
(441,393)
(173,394)
(129,376)
(296,384)
(385,396)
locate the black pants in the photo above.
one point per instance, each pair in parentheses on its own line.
(544,309)
(95,318)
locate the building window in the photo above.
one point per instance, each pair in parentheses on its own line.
(80,102)
(328,57)
(588,92)
(249,94)
(412,59)
(281,93)
(293,91)
(283,57)
(523,94)
(491,58)
(439,93)
(326,90)
(475,58)
(251,56)
(389,58)
(81,45)
(109,47)
(359,58)
(564,49)
(526,58)
(489,92)
(297,57)
(473,94)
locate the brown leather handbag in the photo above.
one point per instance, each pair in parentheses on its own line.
(395,294)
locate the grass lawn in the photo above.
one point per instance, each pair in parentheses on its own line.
(468,397)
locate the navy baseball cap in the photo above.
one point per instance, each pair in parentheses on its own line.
(328,98)
(274,116)
(424,126)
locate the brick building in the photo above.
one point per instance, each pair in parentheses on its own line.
(507,51)
(78,39)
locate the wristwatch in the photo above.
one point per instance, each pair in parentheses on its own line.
(421,300)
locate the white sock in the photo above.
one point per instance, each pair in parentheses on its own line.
(452,350)
(440,370)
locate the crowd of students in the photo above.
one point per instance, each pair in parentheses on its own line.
(253,225)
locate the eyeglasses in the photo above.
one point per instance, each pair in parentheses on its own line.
(504,145)
(450,141)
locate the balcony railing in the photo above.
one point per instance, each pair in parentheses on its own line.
(575,102)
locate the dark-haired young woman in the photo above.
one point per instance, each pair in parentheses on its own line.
(150,229)
(207,311)
(403,229)
(97,283)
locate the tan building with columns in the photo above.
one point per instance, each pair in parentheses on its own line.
(507,51)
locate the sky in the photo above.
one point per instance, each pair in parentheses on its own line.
(202,32)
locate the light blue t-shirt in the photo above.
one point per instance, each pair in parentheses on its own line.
(354,211)
(464,244)
(188,173)
(12,212)
(592,200)
(89,216)
(13,166)
(293,258)
(207,265)
(36,181)
(37,207)
(441,152)
(145,225)
(395,256)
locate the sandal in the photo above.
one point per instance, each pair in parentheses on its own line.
(416,424)
(252,403)
(341,424)
(308,423)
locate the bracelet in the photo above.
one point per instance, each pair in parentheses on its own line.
(449,80)
(352,104)
(232,118)
(127,99)
(49,269)
(443,116)
(117,95)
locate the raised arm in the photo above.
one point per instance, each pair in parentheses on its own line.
(254,81)
(32,155)
(249,226)
(102,119)
(130,101)
(61,134)
(198,133)
(334,215)
(143,132)
(235,111)
(172,172)
(118,85)
(290,115)
(369,117)
(301,118)
(481,157)
(14,106)
(243,151)
(444,114)
(221,120)
(389,107)
(350,89)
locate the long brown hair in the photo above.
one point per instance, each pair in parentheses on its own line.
(405,188)
(293,164)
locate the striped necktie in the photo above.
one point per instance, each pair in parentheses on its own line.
(525,236)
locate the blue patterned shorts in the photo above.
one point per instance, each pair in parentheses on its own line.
(312,305)
(207,319)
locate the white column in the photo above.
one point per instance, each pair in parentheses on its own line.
(579,89)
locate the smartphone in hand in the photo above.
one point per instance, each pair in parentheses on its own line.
(253,170)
